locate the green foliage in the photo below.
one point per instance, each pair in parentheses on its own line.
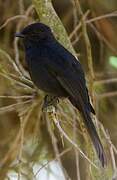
(113,61)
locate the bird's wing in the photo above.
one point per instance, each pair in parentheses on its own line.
(68,71)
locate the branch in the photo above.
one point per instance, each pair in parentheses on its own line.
(88,47)
(51,112)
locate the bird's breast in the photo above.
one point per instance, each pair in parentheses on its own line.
(42,77)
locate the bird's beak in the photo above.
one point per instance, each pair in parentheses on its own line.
(19,34)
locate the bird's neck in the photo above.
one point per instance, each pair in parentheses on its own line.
(30,44)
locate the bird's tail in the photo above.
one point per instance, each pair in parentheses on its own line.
(93,134)
(94,137)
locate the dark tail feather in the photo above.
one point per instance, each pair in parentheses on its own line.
(94,137)
(93,134)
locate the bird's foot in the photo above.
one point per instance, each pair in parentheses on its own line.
(50,101)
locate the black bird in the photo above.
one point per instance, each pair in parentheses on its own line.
(56,71)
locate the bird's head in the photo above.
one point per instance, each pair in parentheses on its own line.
(35,32)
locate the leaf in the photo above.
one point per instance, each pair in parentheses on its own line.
(113,61)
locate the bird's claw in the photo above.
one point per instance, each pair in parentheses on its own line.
(50,101)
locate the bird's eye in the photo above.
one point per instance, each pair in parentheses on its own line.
(38,31)
(41,31)
(32,34)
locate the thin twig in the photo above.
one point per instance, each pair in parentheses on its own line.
(17,56)
(21,6)
(22,78)
(15,142)
(109,15)
(12,19)
(12,107)
(77,38)
(21,145)
(88,48)
(78,26)
(105,81)
(75,16)
(111,146)
(54,143)
(52,112)
(76,151)
(113,14)
(108,94)
(16,81)
(60,155)
(16,97)
(101,37)
(4,53)
(107,137)
(54,140)
(113,158)
(74,144)
(16,68)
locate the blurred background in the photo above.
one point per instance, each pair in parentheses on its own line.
(26,145)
